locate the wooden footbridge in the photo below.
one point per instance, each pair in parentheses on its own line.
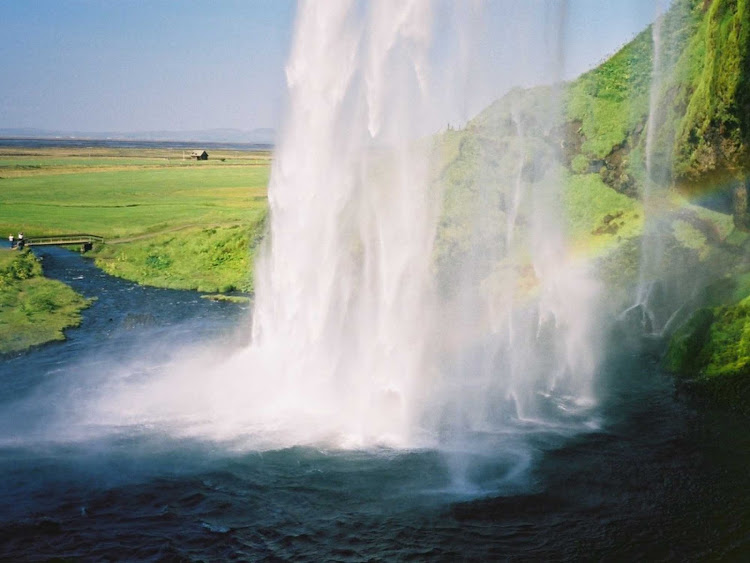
(85,240)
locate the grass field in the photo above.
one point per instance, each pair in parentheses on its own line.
(124,193)
(168,221)
(33,309)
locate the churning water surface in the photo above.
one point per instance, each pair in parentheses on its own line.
(658,479)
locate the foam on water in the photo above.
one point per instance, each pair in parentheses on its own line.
(349,336)
(352,344)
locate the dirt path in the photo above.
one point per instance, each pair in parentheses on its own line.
(174,229)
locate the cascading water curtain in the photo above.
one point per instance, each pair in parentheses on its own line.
(525,314)
(343,295)
(663,289)
(351,341)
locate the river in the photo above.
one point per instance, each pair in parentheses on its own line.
(660,479)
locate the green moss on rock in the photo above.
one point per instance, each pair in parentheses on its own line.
(687,343)
(611,101)
(579,164)
(727,349)
(711,354)
(713,138)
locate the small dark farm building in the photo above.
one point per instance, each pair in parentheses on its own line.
(199,155)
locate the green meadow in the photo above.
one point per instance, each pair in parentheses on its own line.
(168,221)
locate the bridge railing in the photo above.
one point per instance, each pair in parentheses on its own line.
(63,239)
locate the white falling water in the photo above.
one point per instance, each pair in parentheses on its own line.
(344,295)
(525,356)
(349,337)
(652,241)
(658,300)
(352,344)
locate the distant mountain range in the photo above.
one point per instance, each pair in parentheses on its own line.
(255,136)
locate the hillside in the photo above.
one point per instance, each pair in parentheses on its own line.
(654,140)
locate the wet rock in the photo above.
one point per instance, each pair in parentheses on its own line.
(137,320)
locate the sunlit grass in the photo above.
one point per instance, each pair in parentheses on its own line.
(118,203)
(168,222)
(33,309)
(598,217)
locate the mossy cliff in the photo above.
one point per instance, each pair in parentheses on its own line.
(700,108)
(711,355)
(33,309)
(713,138)
(593,132)
(592,135)
(700,112)
(711,152)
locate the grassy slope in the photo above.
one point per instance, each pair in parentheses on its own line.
(610,102)
(601,128)
(33,309)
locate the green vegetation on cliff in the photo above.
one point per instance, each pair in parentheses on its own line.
(687,117)
(608,104)
(599,218)
(700,112)
(33,309)
(711,354)
(711,154)
(589,136)
(713,138)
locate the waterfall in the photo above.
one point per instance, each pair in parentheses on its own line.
(661,292)
(344,294)
(652,245)
(347,321)
(356,340)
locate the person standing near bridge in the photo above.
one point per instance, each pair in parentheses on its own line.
(11,241)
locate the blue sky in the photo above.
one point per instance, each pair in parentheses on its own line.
(137,65)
